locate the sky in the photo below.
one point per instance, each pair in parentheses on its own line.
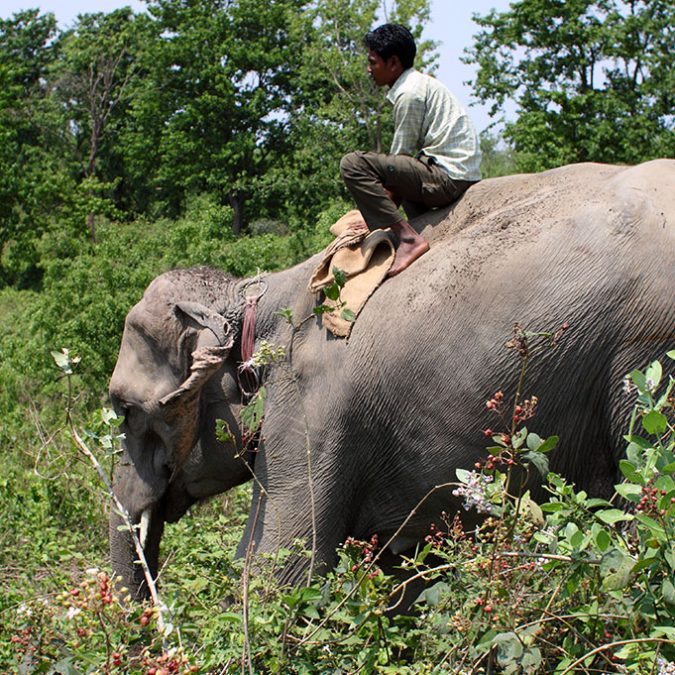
(450,25)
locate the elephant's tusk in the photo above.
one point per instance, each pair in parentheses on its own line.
(144,527)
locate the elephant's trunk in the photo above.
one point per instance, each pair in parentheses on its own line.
(144,505)
(148,526)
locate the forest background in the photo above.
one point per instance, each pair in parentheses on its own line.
(210,132)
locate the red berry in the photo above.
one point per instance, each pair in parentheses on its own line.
(487,608)
(145,620)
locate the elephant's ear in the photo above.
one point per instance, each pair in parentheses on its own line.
(206,318)
(206,358)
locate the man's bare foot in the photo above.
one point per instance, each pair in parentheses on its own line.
(410,247)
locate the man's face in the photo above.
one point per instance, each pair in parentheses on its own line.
(383,72)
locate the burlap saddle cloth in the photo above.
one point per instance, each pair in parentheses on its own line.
(365,258)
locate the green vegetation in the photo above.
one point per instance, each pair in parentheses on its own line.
(210,133)
(592,80)
(571,584)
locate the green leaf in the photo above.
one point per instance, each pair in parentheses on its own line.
(668,592)
(654,527)
(518,438)
(332,292)
(339,276)
(616,568)
(644,564)
(533,441)
(463,475)
(252,413)
(538,460)
(611,516)
(639,442)
(577,540)
(348,315)
(629,471)
(655,423)
(663,631)
(549,444)
(629,491)
(509,647)
(653,375)
(285,313)
(602,539)
(670,558)
(595,502)
(230,617)
(432,595)
(639,380)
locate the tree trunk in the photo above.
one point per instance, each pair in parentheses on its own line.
(237,204)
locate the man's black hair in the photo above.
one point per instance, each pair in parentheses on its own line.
(392,39)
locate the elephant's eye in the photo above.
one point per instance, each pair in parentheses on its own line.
(120,407)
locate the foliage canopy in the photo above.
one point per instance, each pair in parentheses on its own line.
(592,80)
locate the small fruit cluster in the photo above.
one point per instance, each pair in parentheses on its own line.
(105,594)
(496,403)
(526,410)
(23,641)
(488,607)
(491,462)
(146,617)
(436,537)
(169,663)
(649,503)
(363,552)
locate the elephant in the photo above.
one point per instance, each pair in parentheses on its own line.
(357,431)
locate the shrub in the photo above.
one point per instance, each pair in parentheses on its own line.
(574,584)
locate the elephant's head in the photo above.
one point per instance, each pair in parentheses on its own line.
(171,382)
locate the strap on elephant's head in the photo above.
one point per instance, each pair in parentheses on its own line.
(247,374)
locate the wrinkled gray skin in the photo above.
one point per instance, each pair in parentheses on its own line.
(397,408)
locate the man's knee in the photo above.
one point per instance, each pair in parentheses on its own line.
(351,165)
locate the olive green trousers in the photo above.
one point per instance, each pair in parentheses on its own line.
(418,184)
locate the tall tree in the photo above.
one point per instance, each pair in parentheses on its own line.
(593,80)
(210,114)
(33,155)
(94,81)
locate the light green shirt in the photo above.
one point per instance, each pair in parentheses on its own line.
(429,119)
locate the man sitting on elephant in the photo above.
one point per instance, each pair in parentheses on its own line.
(434,155)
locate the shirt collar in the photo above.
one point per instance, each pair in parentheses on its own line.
(393,91)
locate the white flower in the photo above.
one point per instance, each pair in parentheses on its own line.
(24,610)
(474,492)
(73,612)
